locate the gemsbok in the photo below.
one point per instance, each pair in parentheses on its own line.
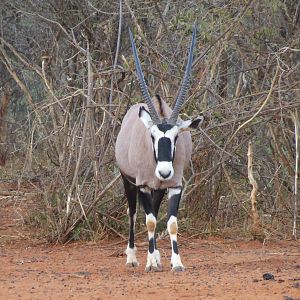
(152,149)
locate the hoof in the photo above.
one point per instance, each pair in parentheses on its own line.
(133,264)
(157,268)
(153,262)
(178,269)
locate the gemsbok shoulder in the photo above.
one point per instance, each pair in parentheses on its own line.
(152,149)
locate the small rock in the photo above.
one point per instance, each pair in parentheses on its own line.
(268,276)
(296,285)
(288,298)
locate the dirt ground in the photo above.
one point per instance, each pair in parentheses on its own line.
(215,268)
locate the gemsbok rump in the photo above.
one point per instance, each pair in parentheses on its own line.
(152,149)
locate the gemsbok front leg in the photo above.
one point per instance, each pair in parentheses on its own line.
(131,194)
(174,196)
(153,257)
(157,197)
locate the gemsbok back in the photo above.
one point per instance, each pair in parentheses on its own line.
(152,149)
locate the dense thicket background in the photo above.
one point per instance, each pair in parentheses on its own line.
(67,78)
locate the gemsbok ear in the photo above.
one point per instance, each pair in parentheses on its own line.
(145,117)
(191,124)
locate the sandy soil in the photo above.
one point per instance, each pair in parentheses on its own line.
(215,268)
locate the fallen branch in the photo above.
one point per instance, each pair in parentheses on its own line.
(283,253)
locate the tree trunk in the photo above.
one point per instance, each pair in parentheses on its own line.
(3,111)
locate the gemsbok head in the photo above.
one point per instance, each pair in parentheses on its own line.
(152,149)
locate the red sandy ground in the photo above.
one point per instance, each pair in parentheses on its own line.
(215,268)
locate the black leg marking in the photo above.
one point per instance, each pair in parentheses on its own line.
(131,194)
(146,200)
(175,247)
(151,245)
(157,196)
(173,205)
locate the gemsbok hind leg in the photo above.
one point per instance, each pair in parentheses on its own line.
(153,257)
(131,194)
(174,195)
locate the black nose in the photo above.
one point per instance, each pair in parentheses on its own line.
(164,175)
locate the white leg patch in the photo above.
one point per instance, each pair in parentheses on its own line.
(175,258)
(131,257)
(176,262)
(153,261)
(172,227)
(151,224)
(173,191)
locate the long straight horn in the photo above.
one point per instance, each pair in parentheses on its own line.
(185,82)
(141,80)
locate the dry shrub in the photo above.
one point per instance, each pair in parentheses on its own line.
(73,81)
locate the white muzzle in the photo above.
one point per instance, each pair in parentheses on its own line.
(164,170)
